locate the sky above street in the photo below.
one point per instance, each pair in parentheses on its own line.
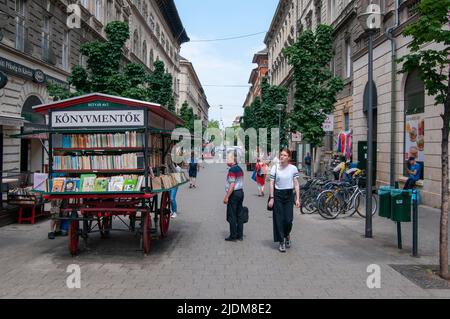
(224,63)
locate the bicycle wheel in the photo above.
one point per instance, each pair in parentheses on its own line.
(328,205)
(360,204)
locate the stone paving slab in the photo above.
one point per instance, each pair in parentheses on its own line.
(328,259)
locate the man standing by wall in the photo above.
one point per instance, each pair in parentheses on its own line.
(308,164)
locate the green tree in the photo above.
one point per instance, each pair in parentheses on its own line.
(160,86)
(269,115)
(213,124)
(315,85)
(187,114)
(433,68)
(103,73)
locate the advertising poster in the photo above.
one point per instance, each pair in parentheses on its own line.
(414,137)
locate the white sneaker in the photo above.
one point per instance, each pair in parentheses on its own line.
(173,215)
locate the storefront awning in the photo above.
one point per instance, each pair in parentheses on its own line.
(41,135)
(15,121)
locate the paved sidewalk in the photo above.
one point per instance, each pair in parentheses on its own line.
(328,258)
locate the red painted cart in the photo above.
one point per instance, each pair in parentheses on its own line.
(95,212)
(106,136)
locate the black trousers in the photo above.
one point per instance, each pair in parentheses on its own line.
(283,214)
(410,184)
(234,214)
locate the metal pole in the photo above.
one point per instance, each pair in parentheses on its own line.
(415,251)
(369,144)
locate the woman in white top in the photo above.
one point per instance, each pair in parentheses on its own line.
(283,181)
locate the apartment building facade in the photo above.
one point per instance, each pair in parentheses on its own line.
(37,46)
(256,76)
(191,91)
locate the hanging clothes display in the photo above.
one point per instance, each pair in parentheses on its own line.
(344,144)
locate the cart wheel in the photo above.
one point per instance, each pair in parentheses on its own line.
(73,237)
(164,214)
(146,232)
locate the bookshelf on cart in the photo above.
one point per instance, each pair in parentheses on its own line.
(100,152)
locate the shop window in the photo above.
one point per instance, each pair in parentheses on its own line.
(414,120)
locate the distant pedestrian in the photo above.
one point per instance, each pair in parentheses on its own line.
(193,169)
(173,192)
(261,173)
(234,198)
(308,164)
(283,183)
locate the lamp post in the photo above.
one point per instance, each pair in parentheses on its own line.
(280,109)
(370,22)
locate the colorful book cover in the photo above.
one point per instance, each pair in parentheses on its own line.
(58,184)
(101,184)
(72,185)
(40,181)
(129,184)
(116,184)
(87,182)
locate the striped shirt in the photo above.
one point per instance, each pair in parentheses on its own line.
(284,176)
(235,175)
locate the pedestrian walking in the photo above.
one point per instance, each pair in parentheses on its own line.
(193,169)
(283,182)
(234,198)
(173,192)
(261,174)
(308,164)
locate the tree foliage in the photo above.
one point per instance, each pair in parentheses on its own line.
(433,68)
(104,72)
(264,113)
(213,124)
(187,114)
(316,86)
(160,86)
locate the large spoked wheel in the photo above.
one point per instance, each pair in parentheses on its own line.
(146,232)
(329,205)
(360,204)
(74,235)
(164,214)
(307,205)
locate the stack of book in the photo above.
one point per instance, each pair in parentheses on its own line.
(99,162)
(127,139)
(92,183)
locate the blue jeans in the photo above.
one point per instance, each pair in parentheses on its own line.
(308,170)
(173,199)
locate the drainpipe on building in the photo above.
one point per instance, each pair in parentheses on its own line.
(389,35)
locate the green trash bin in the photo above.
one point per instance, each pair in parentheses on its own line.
(384,194)
(401,205)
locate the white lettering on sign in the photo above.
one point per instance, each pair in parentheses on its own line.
(98,118)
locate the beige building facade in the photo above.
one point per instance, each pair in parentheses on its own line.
(191,91)
(405,115)
(37,45)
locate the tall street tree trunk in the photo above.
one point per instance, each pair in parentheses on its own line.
(443,238)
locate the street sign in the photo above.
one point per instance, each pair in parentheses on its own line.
(328,124)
